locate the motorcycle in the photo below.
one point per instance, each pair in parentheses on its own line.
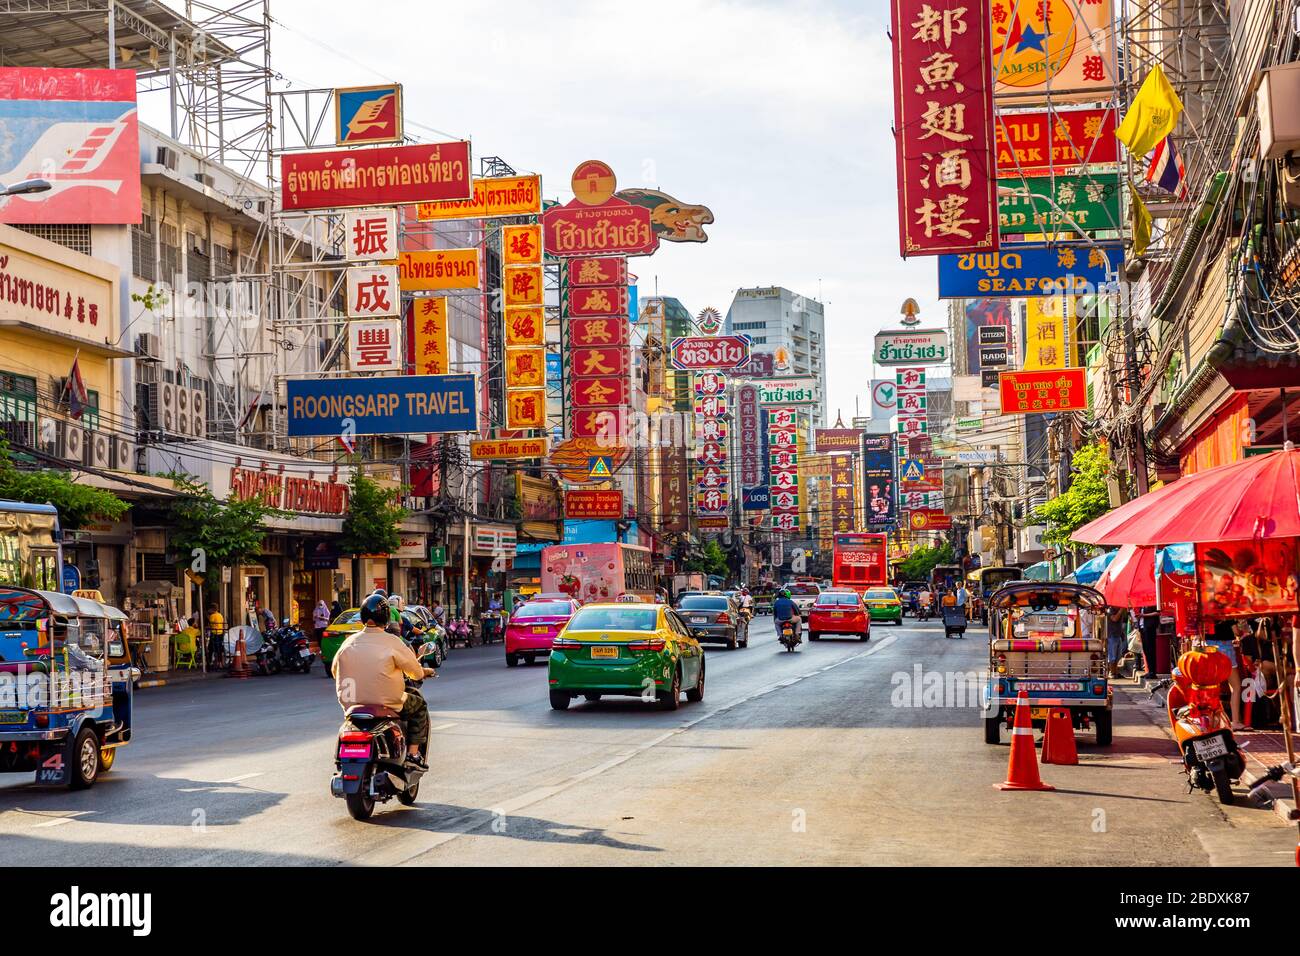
(434,636)
(370,756)
(265,658)
(1211,759)
(293,647)
(788,634)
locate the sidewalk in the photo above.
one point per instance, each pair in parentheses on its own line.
(171,677)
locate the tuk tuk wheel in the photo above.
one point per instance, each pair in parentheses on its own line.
(84,770)
(107,756)
(993,730)
(1103,721)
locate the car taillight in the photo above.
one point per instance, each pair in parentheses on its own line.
(565,644)
(724,618)
(649,644)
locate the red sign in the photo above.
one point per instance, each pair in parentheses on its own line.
(929,519)
(588,392)
(593,504)
(616,227)
(598,270)
(603,361)
(1051,390)
(696,352)
(751,472)
(943,122)
(77,129)
(599,300)
(606,424)
(1043,142)
(589,332)
(382,176)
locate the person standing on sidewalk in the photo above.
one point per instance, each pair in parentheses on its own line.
(320,618)
(1116,638)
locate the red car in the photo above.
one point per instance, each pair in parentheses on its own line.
(839,612)
(533,626)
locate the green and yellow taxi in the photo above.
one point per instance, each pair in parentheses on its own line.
(883,604)
(627,650)
(340,629)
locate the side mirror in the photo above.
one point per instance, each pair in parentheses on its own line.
(426,649)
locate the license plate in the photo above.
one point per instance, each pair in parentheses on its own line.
(541,630)
(304,653)
(1210,747)
(699,620)
(837,614)
(1038,713)
(604,652)
(13,716)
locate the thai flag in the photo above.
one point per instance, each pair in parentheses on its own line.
(75,390)
(1166,169)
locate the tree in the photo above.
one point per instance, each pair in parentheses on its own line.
(78,505)
(918,565)
(374,517)
(709,559)
(208,534)
(1085,500)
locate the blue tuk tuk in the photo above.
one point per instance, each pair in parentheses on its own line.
(65,686)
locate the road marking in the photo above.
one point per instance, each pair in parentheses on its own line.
(444,726)
(242,776)
(59,821)
(417,843)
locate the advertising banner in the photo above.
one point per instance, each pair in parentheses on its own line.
(906,347)
(596,222)
(698,352)
(593,503)
(1024,270)
(878,481)
(987,321)
(672,489)
(383,176)
(1046,322)
(1045,142)
(843,494)
(393,405)
(368,114)
(1062,47)
(375,345)
(1087,203)
(1054,390)
(436,270)
(494,197)
(943,126)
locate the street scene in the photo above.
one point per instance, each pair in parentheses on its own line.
(468,437)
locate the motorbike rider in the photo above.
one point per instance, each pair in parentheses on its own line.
(784,609)
(371,668)
(747,600)
(923,599)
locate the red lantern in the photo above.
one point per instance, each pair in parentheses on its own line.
(1206,667)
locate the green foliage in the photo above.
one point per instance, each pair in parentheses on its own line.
(920,563)
(209,534)
(152,299)
(374,517)
(1085,500)
(709,559)
(78,505)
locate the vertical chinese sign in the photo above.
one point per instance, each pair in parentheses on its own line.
(374,299)
(843,494)
(783,454)
(525,350)
(428,336)
(673,480)
(910,392)
(712,491)
(595,310)
(943,122)
(1046,339)
(751,448)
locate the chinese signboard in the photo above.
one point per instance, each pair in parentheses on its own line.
(494,197)
(55,296)
(368,114)
(522,326)
(697,352)
(1052,390)
(787,391)
(909,385)
(373,291)
(1024,270)
(1065,47)
(375,345)
(597,350)
(843,494)
(751,468)
(673,481)
(428,336)
(1045,142)
(388,405)
(508,449)
(596,222)
(599,270)
(593,504)
(371,235)
(383,176)
(1046,322)
(920,347)
(1086,203)
(435,270)
(783,467)
(943,124)
(712,476)
(79,130)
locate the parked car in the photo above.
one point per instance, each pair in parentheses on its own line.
(715,619)
(884,604)
(839,612)
(625,649)
(422,631)
(534,625)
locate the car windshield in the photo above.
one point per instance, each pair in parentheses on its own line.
(614,619)
(837,599)
(702,603)
(541,609)
(804,590)
(881,594)
(349,617)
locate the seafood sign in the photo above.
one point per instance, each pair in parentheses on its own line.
(698,352)
(383,176)
(1077,269)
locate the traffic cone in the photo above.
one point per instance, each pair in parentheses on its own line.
(1058,738)
(1022,767)
(239,667)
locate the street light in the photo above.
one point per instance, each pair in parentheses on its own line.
(26,186)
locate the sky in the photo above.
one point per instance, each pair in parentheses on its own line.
(776,115)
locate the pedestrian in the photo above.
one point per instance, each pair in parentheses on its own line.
(335,609)
(216,634)
(439,613)
(320,617)
(1225,639)
(1148,624)
(963,598)
(1116,638)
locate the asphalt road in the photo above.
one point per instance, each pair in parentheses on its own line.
(823,756)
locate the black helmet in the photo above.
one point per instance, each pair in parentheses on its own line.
(374,610)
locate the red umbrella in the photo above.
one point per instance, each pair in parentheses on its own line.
(1244,501)
(1130,579)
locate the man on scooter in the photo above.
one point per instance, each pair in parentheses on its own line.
(784,609)
(371,669)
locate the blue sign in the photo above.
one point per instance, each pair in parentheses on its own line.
(369,114)
(1018,270)
(393,405)
(582,531)
(71,578)
(755,499)
(913,470)
(633,304)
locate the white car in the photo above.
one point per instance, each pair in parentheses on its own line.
(804,594)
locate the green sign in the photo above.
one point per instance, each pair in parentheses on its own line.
(1250,451)
(438,556)
(1050,204)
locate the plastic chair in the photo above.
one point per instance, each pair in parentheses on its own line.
(185,648)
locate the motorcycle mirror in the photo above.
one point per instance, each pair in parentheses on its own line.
(426,649)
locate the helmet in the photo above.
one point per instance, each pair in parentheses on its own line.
(375,610)
(381,592)
(395,600)
(785,592)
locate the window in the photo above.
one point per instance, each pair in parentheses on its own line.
(17,397)
(595,618)
(535,609)
(74,237)
(702,603)
(144,264)
(170,254)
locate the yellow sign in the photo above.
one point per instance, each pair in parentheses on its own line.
(503,449)
(1046,318)
(1065,47)
(429,336)
(522,286)
(526,408)
(525,367)
(493,197)
(521,245)
(525,327)
(438,269)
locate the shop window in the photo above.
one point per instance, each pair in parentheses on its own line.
(17,397)
(170,254)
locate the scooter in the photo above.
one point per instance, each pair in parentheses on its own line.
(370,757)
(294,648)
(924,611)
(1211,759)
(265,659)
(788,634)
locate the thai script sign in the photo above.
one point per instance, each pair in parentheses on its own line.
(1026,270)
(919,347)
(696,352)
(438,269)
(289,493)
(787,391)
(1086,203)
(383,176)
(1051,390)
(505,449)
(494,197)
(1043,142)
(593,503)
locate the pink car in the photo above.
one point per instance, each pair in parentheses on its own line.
(533,626)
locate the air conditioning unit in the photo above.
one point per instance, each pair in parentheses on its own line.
(162,407)
(146,343)
(72,442)
(198,413)
(168,157)
(123,454)
(99,450)
(182,410)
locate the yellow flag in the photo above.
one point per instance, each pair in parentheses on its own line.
(1151,116)
(1141,222)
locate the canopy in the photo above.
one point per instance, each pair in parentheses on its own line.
(1090,570)
(1256,498)
(1130,580)
(1042,571)
(1176,559)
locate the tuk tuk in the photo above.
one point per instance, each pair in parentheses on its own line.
(65,686)
(1048,640)
(981,583)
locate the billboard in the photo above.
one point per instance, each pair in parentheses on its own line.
(1062,47)
(699,352)
(911,347)
(878,482)
(1052,390)
(1024,270)
(1087,202)
(77,129)
(393,405)
(494,197)
(987,320)
(382,176)
(368,114)
(1046,142)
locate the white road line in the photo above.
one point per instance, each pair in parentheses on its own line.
(242,776)
(444,726)
(418,843)
(59,821)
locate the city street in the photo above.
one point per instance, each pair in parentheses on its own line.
(796,758)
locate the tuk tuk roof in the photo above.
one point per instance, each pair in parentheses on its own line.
(1040,593)
(59,603)
(978,574)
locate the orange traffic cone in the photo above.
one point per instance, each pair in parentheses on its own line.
(1058,738)
(1022,767)
(239,667)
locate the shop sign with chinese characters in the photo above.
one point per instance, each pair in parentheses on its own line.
(783,467)
(1062,47)
(593,503)
(1051,390)
(712,491)
(943,122)
(843,494)
(1046,323)
(525,355)
(1086,203)
(599,270)
(1053,142)
(373,291)
(1026,270)
(375,345)
(371,235)
(428,335)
